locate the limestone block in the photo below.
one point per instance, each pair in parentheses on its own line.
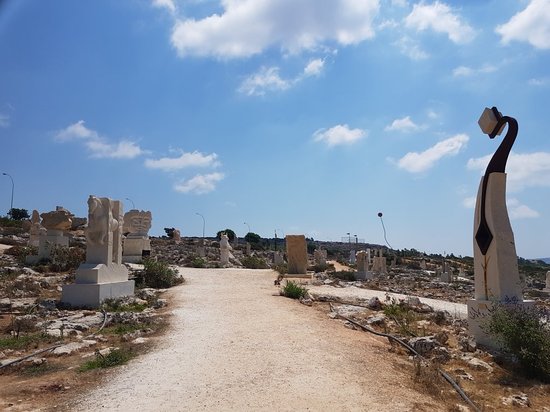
(278,258)
(352,257)
(101,273)
(93,294)
(496,273)
(488,121)
(57,220)
(296,251)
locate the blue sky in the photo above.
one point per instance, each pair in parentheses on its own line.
(302,116)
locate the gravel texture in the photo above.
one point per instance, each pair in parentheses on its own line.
(236,345)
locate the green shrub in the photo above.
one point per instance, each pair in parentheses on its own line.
(157,275)
(198,262)
(346,275)
(253,262)
(282,268)
(25,341)
(293,290)
(119,305)
(21,252)
(114,358)
(525,333)
(64,258)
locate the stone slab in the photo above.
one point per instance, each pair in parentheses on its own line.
(296,251)
(99,273)
(92,295)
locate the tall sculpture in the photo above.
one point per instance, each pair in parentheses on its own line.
(103,275)
(495,261)
(137,245)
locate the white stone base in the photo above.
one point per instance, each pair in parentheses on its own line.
(478,314)
(92,295)
(90,273)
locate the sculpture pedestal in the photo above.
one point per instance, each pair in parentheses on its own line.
(92,294)
(96,282)
(364,275)
(133,248)
(479,312)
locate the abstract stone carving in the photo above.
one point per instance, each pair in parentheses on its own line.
(496,271)
(136,245)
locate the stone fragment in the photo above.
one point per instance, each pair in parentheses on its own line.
(423,344)
(69,348)
(480,365)
(520,400)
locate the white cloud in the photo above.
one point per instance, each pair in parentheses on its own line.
(314,67)
(440,18)
(411,49)
(248,27)
(465,71)
(399,3)
(165,4)
(402,125)
(185,160)
(543,81)
(469,202)
(199,184)
(432,114)
(98,146)
(415,162)
(339,135)
(523,170)
(267,79)
(531,25)
(4,120)
(516,210)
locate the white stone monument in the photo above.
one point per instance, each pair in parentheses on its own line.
(136,245)
(423,264)
(446,273)
(320,257)
(36,229)
(201,249)
(248,250)
(496,271)
(547,288)
(103,275)
(362,259)
(352,257)
(225,249)
(55,223)
(278,258)
(296,252)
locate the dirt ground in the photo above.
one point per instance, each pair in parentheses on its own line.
(234,344)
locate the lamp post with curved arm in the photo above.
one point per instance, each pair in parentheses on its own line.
(12,189)
(203,223)
(133,205)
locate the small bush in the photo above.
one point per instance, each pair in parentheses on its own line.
(198,262)
(525,333)
(157,275)
(114,358)
(21,252)
(119,305)
(282,269)
(25,342)
(253,262)
(63,258)
(293,290)
(344,275)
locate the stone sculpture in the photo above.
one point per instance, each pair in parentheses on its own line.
(320,257)
(496,271)
(296,252)
(137,245)
(54,223)
(103,275)
(278,258)
(225,249)
(362,258)
(36,229)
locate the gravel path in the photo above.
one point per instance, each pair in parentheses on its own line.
(235,345)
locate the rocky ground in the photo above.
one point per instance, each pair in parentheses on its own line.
(31,320)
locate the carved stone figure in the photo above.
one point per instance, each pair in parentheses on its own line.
(225,249)
(495,261)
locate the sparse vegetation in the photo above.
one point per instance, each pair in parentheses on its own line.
(119,305)
(158,275)
(293,290)
(345,275)
(63,258)
(524,333)
(114,358)
(198,262)
(24,341)
(254,262)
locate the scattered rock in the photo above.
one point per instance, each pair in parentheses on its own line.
(374,303)
(519,400)
(441,337)
(441,354)
(73,347)
(480,365)
(467,344)
(462,374)
(376,319)
(161,303)
(140,340)
(423,344)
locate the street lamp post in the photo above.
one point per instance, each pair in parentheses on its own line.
(203,224)
(12,189)
(133,205)
(248,226)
